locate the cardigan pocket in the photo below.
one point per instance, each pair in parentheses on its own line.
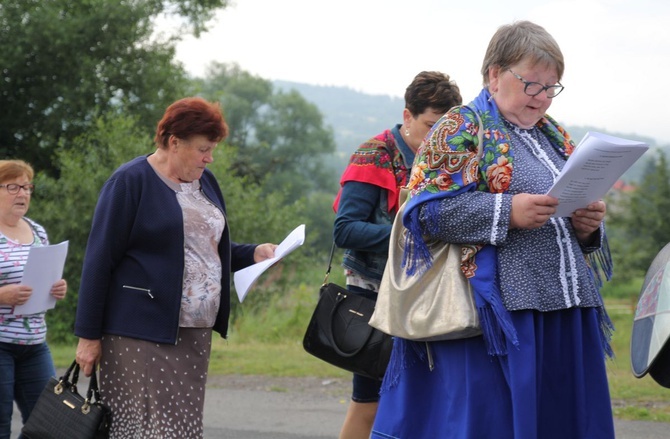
(139,289)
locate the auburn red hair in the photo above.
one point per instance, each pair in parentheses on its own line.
(190,117)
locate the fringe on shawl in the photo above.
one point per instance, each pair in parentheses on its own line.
(600,263)
(417,258)
(606,330)
(405,354)
(495,319)
(600,269)
(497,327)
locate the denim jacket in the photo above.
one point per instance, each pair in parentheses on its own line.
(363,222)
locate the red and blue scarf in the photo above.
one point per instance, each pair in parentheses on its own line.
(378,162)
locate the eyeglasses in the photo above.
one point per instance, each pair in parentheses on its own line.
(13,188)
(535,88)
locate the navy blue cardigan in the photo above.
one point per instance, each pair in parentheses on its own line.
(133,269)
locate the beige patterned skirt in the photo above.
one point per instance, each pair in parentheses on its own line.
(156,391)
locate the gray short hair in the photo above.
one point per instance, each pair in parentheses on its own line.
(519,41)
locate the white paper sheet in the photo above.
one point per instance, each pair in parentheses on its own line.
(245,278)
(596,164)
(43,268)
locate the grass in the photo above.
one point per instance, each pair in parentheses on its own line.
(285,359)
(266,339)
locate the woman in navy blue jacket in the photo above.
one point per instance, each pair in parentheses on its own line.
(156,278)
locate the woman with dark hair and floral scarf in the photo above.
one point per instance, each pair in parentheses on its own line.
(538,370)
(367,204)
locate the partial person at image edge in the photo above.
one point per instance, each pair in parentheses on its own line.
(26,364)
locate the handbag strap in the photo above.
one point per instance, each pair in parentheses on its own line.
(330,263)
(339,300)
(93,390)
(64,380)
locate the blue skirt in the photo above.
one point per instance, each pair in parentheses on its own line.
(553,386)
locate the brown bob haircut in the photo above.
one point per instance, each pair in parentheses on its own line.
(431,90)
(189,117)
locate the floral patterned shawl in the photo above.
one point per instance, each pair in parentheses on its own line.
(451,162)
(378,162)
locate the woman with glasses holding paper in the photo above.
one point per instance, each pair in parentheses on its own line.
(25,360)
(538,370)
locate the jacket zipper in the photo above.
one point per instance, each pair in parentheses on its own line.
(146,290)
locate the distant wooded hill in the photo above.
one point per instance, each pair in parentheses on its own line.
(355,117)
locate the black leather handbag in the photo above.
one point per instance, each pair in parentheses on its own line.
(339,333)
(62,413)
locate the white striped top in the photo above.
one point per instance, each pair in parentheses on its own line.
(18,329)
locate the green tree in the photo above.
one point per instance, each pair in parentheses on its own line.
(638,224)
(65,205)
(254,217)
(281,139)
(66,62)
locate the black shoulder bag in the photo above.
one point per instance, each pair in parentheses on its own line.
(339,333)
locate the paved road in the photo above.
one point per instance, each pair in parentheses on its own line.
(239,407)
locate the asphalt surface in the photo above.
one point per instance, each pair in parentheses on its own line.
(243,407)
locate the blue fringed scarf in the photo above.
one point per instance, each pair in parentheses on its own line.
(448,164)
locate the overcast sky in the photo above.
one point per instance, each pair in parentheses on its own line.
(617,52)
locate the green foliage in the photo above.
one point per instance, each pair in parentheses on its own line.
(354,116)
(637,222)
(320,221)
(281,139)
(284,317)
(242,96)
(280,359)
(276,174)
(65,206)
(619,288)
(255,216)
(64,63)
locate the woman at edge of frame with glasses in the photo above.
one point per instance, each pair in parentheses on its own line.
(538,371)
(25,359)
